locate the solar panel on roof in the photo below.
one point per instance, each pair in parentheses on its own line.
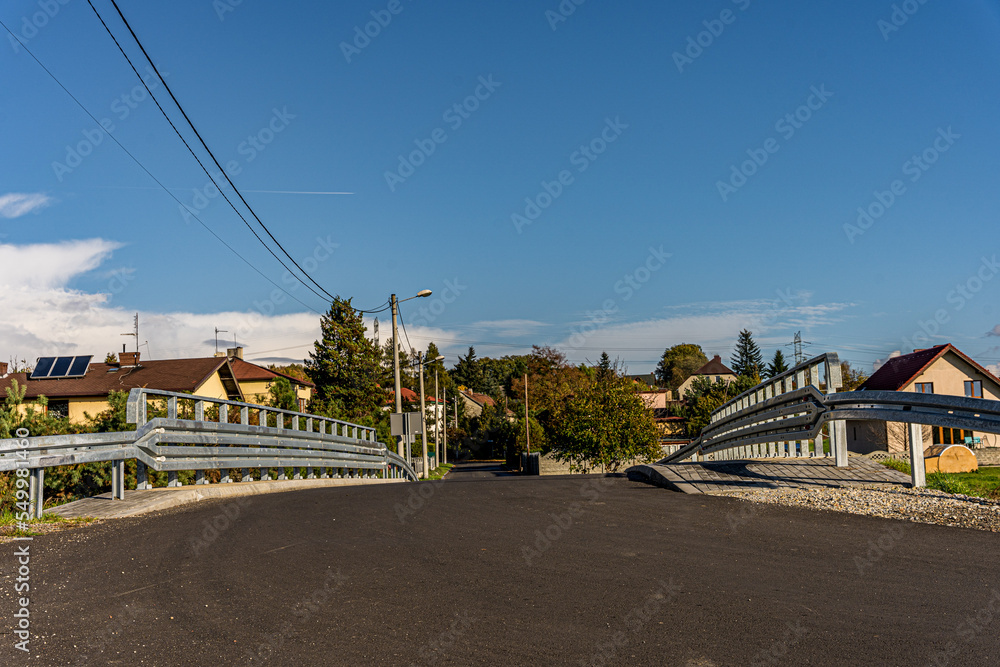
(51,368)
(79,366)
(42,368)
(61,367)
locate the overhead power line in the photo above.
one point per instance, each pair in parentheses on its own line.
(190,150)
(225,175)
(143,167)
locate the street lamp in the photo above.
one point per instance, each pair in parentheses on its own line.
(423,407)
(395,354)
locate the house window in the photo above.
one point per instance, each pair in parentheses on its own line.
(925,388)
(951,436)
(973,389)
(59,409)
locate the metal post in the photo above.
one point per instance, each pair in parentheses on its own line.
(423,413)
(916,432)
(444,406)
(118,480)
(395,365)
(36,492)
(838,442)
(437,420)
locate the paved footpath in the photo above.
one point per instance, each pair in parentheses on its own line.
(487,569)
(722,476)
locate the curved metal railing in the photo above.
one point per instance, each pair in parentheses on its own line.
(779,417)
(180,432)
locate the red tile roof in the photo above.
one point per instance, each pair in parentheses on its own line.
(246,371)
(900,371)
(168,374)
(410,396)
(482,399)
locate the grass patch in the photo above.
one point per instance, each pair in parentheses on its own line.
(897,464)
(983,483)
(440,471)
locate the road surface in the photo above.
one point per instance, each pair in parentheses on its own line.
(492,569)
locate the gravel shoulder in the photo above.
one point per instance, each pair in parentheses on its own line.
(906,504)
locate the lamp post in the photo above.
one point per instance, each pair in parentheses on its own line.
(395,354)
(444,407)
(423,408)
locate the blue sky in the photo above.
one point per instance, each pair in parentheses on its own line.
(639,249)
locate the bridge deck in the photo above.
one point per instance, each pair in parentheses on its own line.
(721,476)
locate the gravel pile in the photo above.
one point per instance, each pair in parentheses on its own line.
(919,505)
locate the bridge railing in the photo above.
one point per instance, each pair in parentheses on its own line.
(773,419)
(180,432)
(779,417)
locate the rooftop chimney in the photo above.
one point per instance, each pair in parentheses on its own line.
(3,368)
(234,352)
(128,358)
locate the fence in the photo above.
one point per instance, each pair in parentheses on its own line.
(180,432)
(779,417)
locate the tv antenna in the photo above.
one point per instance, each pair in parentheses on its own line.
(217,332)
(135,333)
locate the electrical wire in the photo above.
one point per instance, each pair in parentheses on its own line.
(386,305)
(143,167)
(170,92)
(197,159)
(403,324)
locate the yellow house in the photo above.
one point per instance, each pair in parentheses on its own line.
(714,370)
(937,370)
(73,396)
(256,381)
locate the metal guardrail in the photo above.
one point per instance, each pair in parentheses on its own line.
(779,417)
(196,433)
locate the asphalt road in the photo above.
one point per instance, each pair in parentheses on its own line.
(461,572)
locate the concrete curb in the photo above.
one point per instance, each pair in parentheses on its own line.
(664,477)
(153,500)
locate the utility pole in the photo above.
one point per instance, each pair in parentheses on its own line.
(423,413)
(437,420)
(444,406)
(797,346)
(395,365)
(527,424)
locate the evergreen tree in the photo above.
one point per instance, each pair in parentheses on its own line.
(777,365)
(467,372)
(604,367)
(345,366)
(747,360)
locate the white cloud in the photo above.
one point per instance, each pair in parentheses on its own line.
(51,265)
(42,316)
(16,204)
(713,325)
